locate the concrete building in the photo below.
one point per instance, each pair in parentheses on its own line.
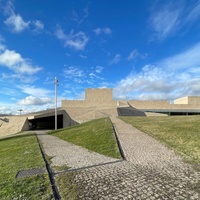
(98,103)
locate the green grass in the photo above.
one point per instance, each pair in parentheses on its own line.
(96,135)
(67,187)
(21,153)
(181,133)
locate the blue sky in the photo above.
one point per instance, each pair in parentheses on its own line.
(148,49)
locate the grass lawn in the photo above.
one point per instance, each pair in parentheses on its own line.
(182,133)
(96,135)
(20,153)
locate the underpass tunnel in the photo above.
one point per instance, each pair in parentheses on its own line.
(46,123)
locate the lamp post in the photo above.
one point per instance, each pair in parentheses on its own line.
(56,84)
(20,111)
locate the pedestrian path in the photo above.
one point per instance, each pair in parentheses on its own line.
(63,153)
(141,149)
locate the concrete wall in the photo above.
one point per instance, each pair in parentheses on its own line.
(100,98)
(193,100)
(67,120)
(183,100)
(98,95)
(139,104)
(190,100)
(15,124)
(73,103)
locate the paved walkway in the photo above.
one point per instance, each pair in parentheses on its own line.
(63,153)
(150,172)
(143,150)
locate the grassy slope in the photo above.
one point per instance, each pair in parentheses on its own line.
(96,135)
(182,133)
(20,153)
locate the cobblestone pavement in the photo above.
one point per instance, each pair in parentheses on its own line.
(141,149)
(151,171)
(63,153)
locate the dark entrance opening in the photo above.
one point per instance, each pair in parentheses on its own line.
(46,123)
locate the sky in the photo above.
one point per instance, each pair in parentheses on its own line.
(144,50)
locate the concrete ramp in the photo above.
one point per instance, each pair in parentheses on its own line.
(129,111)
(13,124)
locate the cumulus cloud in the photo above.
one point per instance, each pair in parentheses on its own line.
(32,100)
(15,62)
(16,23)
(73,40)
(106,31)
(170,78)
(8,109)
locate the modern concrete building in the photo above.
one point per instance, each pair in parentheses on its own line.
(98,103)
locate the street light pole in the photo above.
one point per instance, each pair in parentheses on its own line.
(20,111)
(56,84)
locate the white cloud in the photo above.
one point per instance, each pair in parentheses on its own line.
(2,46)
(73,71)
(15,62)
(5,90)
(188,59)
(32,100)
(73,40)
(22,77)
(16,23)
(115,60)
(82,56)
(79,77)
(106,31)
(80,18)
(133,55)
(39,26)
(33,91)
(98,69)
(7,109)
(10,58)
(165,21)
(194,12)
(170,78)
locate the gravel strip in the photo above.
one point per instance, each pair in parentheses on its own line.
(70,155)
